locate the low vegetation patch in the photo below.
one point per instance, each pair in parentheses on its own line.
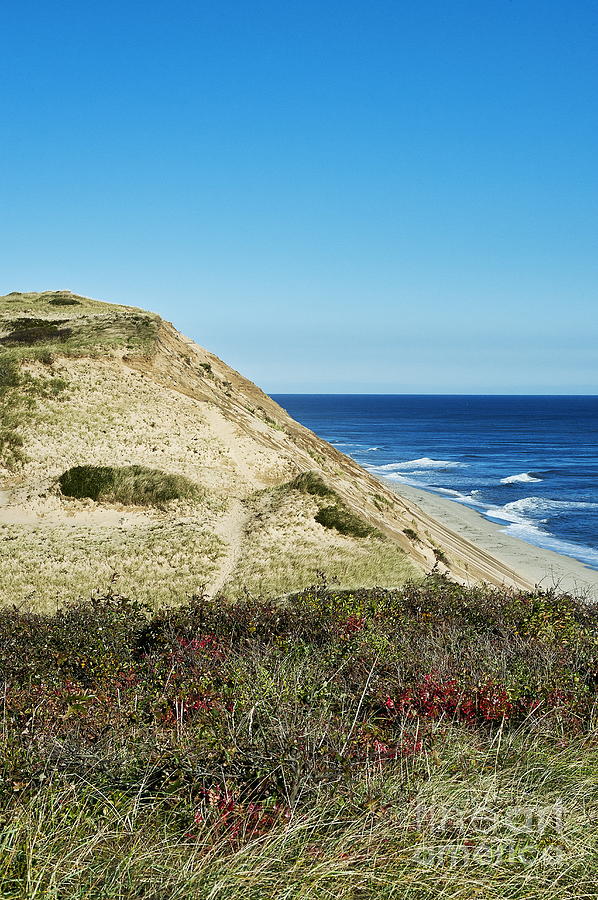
(36,334)
(441,556)
(336,515)
(381,502)
(19,393)
(49,565)
(91,328)
(130,485)
(27,322)
(63,300)
(346,743)
(311,483)
(344,521)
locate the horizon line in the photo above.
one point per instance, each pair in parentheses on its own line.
(416,394)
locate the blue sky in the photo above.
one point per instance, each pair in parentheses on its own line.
(333,196)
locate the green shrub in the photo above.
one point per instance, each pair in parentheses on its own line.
(64,301)
(412,535)
(344,521)
(130,485)
(36,334)
(60,298)
(31,322)
(311,483)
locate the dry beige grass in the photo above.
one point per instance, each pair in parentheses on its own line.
(47,566)
(289,550)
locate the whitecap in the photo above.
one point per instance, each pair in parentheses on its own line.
(524,476)
(546,504)
(531,510)
(425,462)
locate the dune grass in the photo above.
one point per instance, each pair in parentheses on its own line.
(20,391)
(37,327)
(46,565)
(311,483)
(77,844)
(335,514)
(285,549)
(268,569)
(339,517)
(429,742)
(129,485)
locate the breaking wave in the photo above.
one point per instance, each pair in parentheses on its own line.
(425,462)
(524,476)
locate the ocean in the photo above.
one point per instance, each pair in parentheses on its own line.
(529,464)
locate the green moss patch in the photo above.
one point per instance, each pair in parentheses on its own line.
(130,485)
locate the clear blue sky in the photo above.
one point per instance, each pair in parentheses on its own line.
(334,196)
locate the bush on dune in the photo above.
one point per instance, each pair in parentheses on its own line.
(344,521)
(336,515)
(129,485)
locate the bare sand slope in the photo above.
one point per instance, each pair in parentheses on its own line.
(134,391)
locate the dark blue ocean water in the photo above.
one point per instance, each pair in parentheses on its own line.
(528,463)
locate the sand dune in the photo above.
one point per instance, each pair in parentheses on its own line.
(115,386)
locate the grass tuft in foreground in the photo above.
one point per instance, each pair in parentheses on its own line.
(129,485)
(430,742)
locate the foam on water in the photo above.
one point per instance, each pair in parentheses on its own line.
(424,462)
(521,510)
(523,477)
(534,535)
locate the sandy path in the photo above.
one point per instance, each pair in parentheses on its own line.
(231,529)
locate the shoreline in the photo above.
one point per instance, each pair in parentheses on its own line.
(535,565)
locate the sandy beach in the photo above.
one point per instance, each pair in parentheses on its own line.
(534,565)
